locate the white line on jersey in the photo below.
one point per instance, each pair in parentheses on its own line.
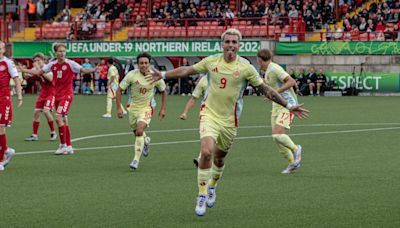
(238,138)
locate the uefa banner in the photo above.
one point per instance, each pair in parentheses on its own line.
(368,82)
(132,48)
(338,48)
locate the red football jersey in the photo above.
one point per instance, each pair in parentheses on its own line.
(63,75)
(7,71)
(47,87)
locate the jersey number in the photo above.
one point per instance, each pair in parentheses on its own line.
(59,74)
(223,83)
(143,91)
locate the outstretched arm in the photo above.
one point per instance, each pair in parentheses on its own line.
(271,94)
(179,72)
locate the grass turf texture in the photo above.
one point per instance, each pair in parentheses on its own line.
(347,178)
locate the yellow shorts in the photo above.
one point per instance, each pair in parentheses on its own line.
(283,118)
(222,135)
(139,116)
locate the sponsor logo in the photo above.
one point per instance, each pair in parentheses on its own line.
(215,70)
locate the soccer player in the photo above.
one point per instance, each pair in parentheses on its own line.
(220,111)
(45,101)
(197,93)
(63,70)
(281,117)
(112,85)
(142,106)
(7,71)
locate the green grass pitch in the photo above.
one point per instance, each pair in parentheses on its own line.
(349,175)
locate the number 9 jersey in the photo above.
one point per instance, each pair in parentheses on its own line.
(223,98)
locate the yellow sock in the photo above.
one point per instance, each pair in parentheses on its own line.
(139,143)
(286,152)
(109,105)
(203,176)
(284,140)
(216,174)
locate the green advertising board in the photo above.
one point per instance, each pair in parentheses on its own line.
(368,82)
(338,48)
(133,48)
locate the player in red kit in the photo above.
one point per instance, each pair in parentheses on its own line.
(7,71)
(63,70)
(45,101)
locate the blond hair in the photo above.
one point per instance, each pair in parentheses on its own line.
(232,31)
(39,55)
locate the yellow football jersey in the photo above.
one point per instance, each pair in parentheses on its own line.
(223,100)
(200,87)
(142,91)
(274,77)
(112,71)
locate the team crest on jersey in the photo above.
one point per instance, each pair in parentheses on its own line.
(64,67)
(137,82)
(2,68)
(236,74)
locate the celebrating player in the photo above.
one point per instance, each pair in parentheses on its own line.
(142,105)
(281,118)
(45,101)
(221,109)
(63,70)
(7,71)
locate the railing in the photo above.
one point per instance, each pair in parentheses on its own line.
(169,28)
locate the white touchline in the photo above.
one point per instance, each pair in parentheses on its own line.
(244,127)
(238,138)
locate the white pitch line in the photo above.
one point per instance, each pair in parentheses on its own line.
(238,138)
(244,127)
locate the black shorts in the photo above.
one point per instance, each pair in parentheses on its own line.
(87,78)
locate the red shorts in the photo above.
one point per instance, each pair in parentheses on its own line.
(62,105)
(45,103)
(5,111)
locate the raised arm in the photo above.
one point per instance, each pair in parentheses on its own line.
(179,72)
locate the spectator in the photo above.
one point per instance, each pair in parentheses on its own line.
(320,81)
(31,9)
(301,81)
(139,22)
(40,9)
(311,80)
(293,12)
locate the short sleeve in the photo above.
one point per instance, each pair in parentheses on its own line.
(12,70)
(200,88)
(126,81)
(75,67)
(253,77)
(47,68)
(281,73)
(201,67)
(160,85)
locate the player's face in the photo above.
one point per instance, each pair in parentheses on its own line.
(61,53)
(263,64)
(144,65)
(37,62)
(231,45)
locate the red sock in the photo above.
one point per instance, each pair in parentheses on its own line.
(51,125)
(3,146)
(67,135)
(61,132)
(35,127)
